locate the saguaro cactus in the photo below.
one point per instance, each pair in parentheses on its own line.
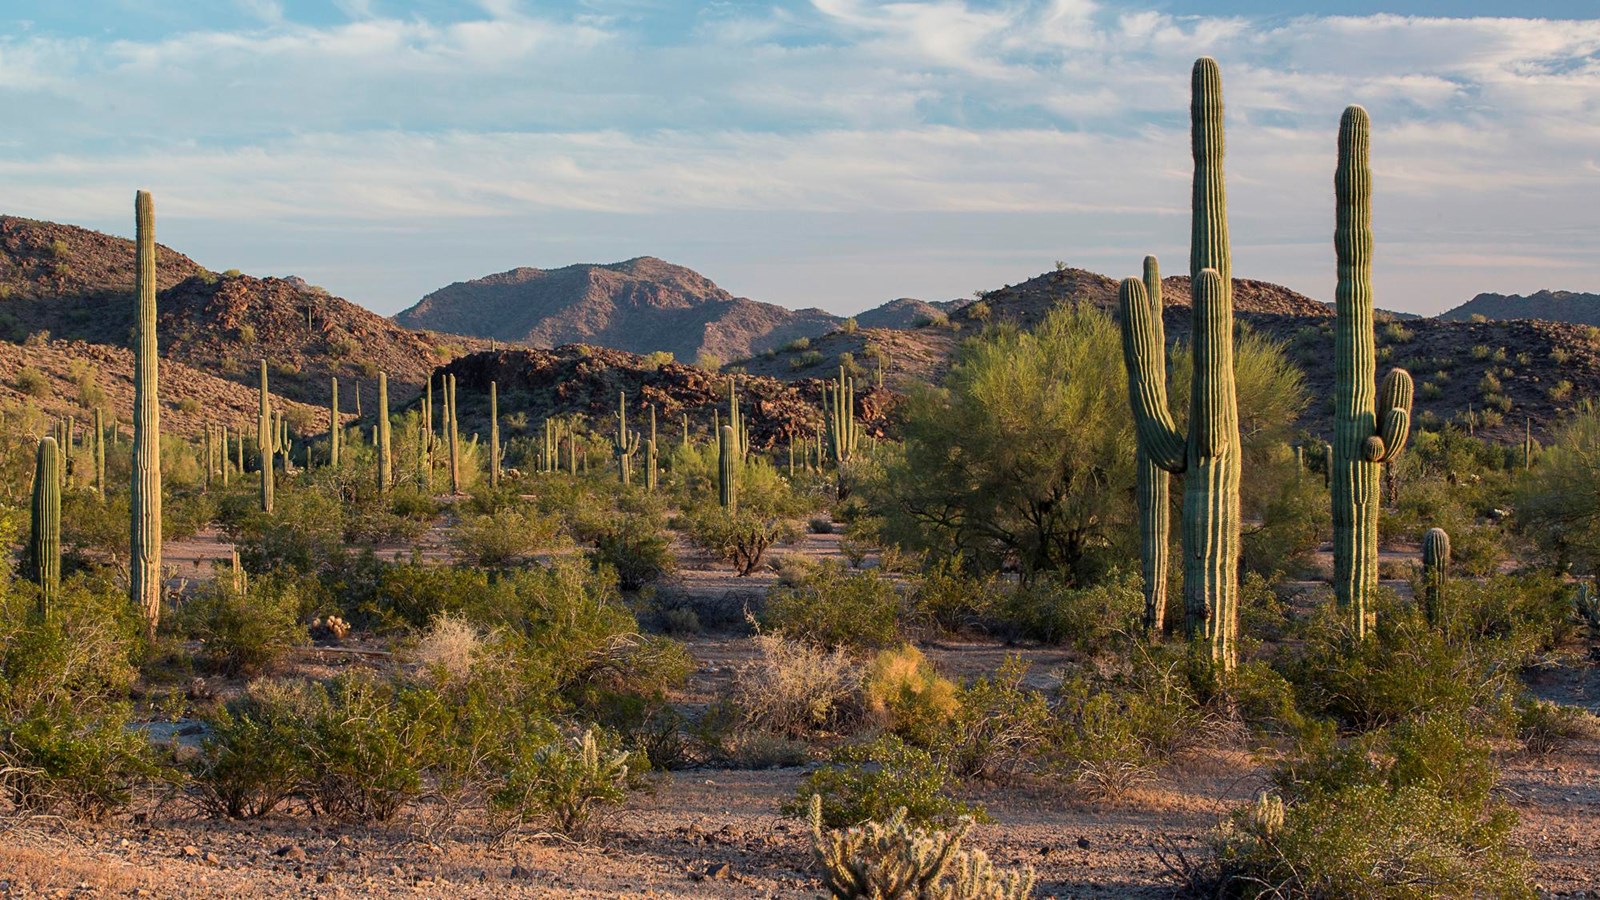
(727,474)
(624,444)
(1152,486)
(335,426)
(44,543)
(100,456)
(494,435)
(1367,434)
(265,439)
(1435,573)
(839,404)
(454,436)
(385,458)
(144,577)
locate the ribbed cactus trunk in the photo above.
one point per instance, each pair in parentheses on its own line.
(144,577)
(44,541)
(650,462)
(625,444)
(839,402)
(264,441)
(1208,455)
(1152,488)
(209,458)
(454,436)
(494,435)
(335,426)
(727,475)
(426,451)
(1435,573)
(385,457)
(1369,430)
(238,449)
(100,456)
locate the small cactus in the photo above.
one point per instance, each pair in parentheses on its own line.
(1435,573)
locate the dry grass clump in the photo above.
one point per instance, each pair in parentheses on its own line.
(794,688)
(448,649)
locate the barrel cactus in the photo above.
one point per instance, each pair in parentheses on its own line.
(1370,425)
(144,577)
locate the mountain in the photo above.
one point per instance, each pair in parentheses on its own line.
(642,305)
(906,312)
(64,282)
(1551,306)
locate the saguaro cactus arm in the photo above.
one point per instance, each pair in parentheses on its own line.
(1145,358)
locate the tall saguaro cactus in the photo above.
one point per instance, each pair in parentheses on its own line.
(839,402)
(265,439)
(44,542)
(335,425)
(1369,428)
(625,444)
(385,457)
(1152,487)
(727,474)
(454,436)
(494,435)
(144,577)
(1435,573)
(100,456)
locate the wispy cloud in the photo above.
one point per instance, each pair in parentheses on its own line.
(1485,149)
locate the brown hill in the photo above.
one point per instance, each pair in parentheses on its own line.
(642,305)
(62,378)
(64,282)
(1552,306)
(584,380)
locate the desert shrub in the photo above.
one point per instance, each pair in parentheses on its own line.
(32,382)
(251,761)
(793,688)
(635,547)
(835,607)
(565,785)
(448,650)
(742,537)
(952,601)
(1403,814)
(303,533)
(1400,670)
(61,760)
(902,689)
(364,748)
(1294,521)
(999,725)
(878,779)
(891,859)
(245,633)
(1543,726)
(502,538)
(1092,618)
(1523,614)
(247,334)
(72,659)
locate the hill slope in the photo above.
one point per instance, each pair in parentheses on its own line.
(641,305)
(1552,306)
(71,283)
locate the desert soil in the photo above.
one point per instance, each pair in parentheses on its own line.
(717,833)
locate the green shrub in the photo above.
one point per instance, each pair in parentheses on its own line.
(245,633)
(952,601)
(364,748)
(635,547)
(1544,727)
(83,653)
(32,382)
(565,786)
(1092,619)
(999,726)
(742,537)
(833,606)
(504,537)
(58,760)
(905,693)
(252,760)
(876,781)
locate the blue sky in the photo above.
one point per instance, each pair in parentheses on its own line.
(837,153)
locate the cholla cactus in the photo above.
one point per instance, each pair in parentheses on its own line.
(1266,816)
(1588,603)
(892,861)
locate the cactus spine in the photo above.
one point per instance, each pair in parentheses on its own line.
(1435,573)
(1366,434)
(44,544)
(1152,487)
(264,442)
(494,435)
(1208,455)
(144,582)
(385,462)
(727,475)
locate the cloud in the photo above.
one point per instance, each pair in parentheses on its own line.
(1484,149)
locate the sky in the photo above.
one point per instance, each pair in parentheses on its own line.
(837,153)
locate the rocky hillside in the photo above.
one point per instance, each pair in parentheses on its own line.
(72,378)
(582,380)
(1551,306)
(642,305)
(63,282)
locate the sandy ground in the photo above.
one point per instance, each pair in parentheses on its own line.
(717,833)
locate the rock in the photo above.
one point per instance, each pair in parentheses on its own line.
(291,852)
(191,850)
(719,870)
(212,859)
